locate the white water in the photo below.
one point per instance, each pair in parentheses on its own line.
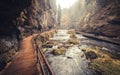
(72,62)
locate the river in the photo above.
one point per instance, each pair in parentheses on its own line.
(73,61)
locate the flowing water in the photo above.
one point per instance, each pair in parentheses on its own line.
(73,61)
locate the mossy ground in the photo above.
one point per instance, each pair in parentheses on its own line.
(104,63)
(106,66)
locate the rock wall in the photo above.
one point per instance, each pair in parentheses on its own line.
(40,16)
(8,47)
(9,32)
(99,17)
(21,18)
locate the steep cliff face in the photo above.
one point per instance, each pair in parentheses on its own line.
(103,21)
(9,33)
(100,17)
(21,18)
(40,16)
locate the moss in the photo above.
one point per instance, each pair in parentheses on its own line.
(104,63)
(68,45)
(95,50)
(47,45)
(106,66)
(73,35)
(44,50)
(73,41)
(59,51)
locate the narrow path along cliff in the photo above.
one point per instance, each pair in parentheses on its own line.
(24,63)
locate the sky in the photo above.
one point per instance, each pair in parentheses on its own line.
(65,3)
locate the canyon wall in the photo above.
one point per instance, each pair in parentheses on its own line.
(21,18)
(99,17)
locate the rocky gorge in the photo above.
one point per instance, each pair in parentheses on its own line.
(83,39)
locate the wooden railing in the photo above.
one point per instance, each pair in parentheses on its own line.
(44,66)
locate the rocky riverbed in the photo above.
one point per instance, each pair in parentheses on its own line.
(66,58)
(73,54)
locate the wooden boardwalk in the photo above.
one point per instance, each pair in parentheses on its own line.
(24,63)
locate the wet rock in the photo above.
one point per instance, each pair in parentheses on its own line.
(91,55)
(44,50)
(83,50)
(69,57)
(82,55)
(92,72)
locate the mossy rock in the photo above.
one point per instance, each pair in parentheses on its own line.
(59,51)
(44,50)
(73,35)
(47,45)
(68,45)
(73,41)
(102,61)
(91,55)
(106,66)
(52,42)
(71,31)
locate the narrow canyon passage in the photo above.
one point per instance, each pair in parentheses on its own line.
(60,37)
